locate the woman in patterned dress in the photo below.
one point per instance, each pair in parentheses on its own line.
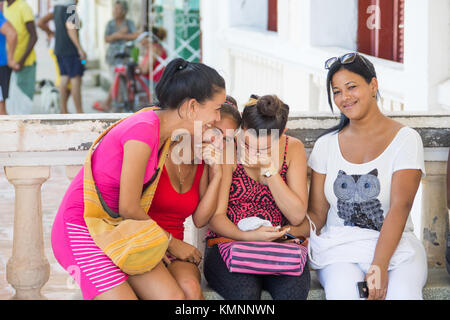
(269,182)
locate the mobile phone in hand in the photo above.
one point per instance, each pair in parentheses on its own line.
(287,234)
(363,289)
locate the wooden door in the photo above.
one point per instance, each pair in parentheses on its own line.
(380,28)
(272,24)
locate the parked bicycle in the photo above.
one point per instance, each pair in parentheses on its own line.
(130,92)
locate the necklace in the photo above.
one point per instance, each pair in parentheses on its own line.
(181,177)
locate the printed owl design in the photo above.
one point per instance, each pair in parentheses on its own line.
(357,200)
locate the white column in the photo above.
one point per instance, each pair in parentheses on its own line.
(28,269)
(426,61)
(435,213)
(303,23)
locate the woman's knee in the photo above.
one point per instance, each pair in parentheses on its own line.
(347,292)
(403,287)
(340,281)
(121,292)
(404,292)
(191,289)
(177,294)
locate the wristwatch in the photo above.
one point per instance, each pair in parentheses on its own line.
(269,172)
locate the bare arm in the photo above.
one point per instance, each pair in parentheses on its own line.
(222,225)
(208,197)
(292,197)
(11,39)
(318,206)
(42,23)
(73,35)
(403,190)
(135,159)
(121,36)
(31,28)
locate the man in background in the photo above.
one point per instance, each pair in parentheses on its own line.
(20,15)
(69,52)
(8,36)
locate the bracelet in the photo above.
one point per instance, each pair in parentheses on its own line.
(170,237)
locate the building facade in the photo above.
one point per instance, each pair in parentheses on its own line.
(279,46)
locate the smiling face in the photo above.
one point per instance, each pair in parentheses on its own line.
(208,112)
(226,129)
(204,114)
(352,94)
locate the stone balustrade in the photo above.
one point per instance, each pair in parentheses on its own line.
(30,145)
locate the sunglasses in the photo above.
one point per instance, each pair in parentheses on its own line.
(346,59)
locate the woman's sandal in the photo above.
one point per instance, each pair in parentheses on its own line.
(97,106)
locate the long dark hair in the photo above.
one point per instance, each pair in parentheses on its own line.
(266,112)
(183,80)
(361,66)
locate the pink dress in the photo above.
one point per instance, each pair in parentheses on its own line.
(72,244)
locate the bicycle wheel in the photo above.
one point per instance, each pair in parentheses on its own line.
(120,103)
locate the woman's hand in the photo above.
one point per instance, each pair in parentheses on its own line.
(265,234)
(212,156)
(184,251)
(377,282)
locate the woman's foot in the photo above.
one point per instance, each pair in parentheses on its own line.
(100,106)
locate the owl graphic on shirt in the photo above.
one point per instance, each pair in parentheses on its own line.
(357,200)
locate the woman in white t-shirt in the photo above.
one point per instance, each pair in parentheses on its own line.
(365,175)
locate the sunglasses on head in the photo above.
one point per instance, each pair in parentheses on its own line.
(345,59)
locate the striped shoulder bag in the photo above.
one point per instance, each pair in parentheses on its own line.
(135,246)
(261,257)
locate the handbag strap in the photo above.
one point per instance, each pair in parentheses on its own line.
(214,241)
(149,192)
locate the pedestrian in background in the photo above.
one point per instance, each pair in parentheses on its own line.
(8,35)
(118,31)
(47,25)
(69,52)
(20,15)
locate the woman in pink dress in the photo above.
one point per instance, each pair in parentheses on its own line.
(122,165)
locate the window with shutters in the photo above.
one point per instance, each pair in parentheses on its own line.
(380,28)
(272,24)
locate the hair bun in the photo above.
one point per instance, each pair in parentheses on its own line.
(269,105)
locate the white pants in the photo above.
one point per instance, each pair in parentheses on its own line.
(405,282)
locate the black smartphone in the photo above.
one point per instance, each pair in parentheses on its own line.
(287,234)
(363,289)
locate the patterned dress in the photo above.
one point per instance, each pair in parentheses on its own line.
(249,198)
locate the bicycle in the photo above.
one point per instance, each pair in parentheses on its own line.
(130,93)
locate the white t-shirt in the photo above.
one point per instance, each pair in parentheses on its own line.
(359,194)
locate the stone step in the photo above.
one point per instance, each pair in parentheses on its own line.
(437,288)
